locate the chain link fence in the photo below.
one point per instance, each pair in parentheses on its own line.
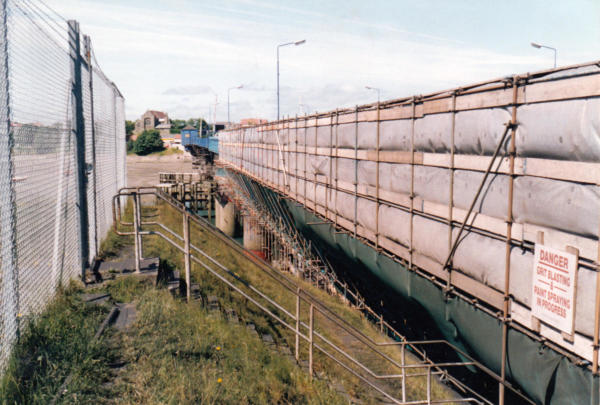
(62,158)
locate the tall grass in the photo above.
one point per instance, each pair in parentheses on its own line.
(54,344)
(180,354)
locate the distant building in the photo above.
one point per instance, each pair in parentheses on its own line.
(247,122)
(153,120)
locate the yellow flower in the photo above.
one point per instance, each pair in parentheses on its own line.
(19,315)
(218,348)
(219,380)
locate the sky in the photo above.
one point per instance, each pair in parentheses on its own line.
(180,56)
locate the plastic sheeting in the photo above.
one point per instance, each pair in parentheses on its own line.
(546,376)
(566,130)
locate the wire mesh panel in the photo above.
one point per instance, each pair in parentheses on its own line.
(62,158)
(106,150)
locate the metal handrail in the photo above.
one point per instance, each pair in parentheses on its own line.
(301,294)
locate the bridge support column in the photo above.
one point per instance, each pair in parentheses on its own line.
(225,217)
(253,237)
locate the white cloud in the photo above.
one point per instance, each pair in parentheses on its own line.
(172,55)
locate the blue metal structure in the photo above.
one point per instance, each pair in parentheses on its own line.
(191,138)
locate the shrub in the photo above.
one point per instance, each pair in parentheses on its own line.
(148,142)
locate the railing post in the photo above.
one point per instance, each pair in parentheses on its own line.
(429,385)
(297,348)
(78,129)
(403,363)
(310,340)
(188,264)
(136,231)
(138,202)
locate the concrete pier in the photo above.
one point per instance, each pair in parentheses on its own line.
(253,238)
(225,217)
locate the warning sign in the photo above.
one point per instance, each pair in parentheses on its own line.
(553,287)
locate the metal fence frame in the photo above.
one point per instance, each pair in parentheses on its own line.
(62,158)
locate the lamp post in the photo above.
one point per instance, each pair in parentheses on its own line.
(215,114)
(279,46)
(229,90)
(538,46)
(377,90)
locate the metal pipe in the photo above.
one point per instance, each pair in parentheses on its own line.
(474,201)
(310,339)
(136,228)
(509,221)
(403,362)
(188,265)
(139,218)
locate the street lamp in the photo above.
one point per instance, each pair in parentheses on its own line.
(538,46)
(279,46)
(215,113)
(228,90)
(377,90)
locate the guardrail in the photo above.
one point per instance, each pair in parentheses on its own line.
(292,321)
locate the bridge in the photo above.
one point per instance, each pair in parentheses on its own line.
(453,200)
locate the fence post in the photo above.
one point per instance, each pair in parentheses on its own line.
(8,264)
(188,264)
(297,324)
(78,129)
(88,56)
(310,340)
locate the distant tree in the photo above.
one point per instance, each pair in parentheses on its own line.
(149,141)
(177,126)
(129,127)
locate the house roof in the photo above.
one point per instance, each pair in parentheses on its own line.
(158,114)
(189,127)
(163,126)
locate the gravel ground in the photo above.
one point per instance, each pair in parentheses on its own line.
(143,170)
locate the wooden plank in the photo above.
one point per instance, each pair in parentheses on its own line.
(588,248)
(429,265)
(568,88)
(477,289)
(436,106)
(396,113)
(394,247)
(367,116)
(583,172)
(394,156)
(480,163)
(346,118)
